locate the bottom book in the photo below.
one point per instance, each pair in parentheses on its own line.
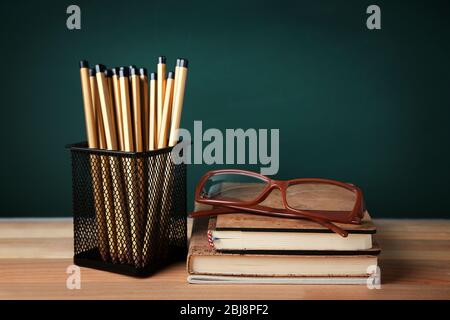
(209,279)
(206,265)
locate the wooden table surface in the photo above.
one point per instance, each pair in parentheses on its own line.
(34,256)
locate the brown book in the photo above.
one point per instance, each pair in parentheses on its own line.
(249,233)
(205,261)
(252,222)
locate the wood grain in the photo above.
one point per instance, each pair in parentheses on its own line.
(34,255)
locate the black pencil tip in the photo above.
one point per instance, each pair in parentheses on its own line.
(142,71)
(181,62)
(133,70)
(100,68)
(123,72)
(115,71)
(162,59)
(91,72)
(171,75)
(153,76)
(108,73)
(84,64)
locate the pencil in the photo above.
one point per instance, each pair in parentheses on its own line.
(88,92)
(176,76)
(108,75)
(127,120)
(178,96)
(89,112)
(145,106)
(154,176)
(137,111)
(117,106)
(161,88)
(106,107)
(153,122)
(167,112)
(97,109)
(121,218)
(139,163)
(168,184)
(127,162)
(111,144)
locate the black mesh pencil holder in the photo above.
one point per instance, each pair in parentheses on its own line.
(129,209)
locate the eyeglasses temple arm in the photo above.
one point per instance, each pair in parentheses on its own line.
(225,210)
(211,212)
(330,226)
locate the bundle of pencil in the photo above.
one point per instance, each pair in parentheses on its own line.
(128,110)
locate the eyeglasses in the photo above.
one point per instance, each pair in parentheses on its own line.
(321,200)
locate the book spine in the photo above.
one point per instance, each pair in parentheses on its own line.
(210,239)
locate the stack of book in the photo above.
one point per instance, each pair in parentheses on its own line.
(245,248)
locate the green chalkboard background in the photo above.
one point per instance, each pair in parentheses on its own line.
(371,107)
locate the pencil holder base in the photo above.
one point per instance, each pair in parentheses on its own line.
(91,259)
(129,210)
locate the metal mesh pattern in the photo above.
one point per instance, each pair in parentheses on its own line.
(129,209)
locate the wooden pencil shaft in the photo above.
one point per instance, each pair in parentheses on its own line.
(98,112)
(89,112)
(89,91)
(161,87)
(107,110)
(145,107)
(177,107)
(121,218)
(167,112)
(152,117)
(109,210)
(136,168)
(137,112)
(155,189)
(175,83)
(118,109)
(128,165)
(108,75)
(126,113)
(96,163)
(110,179)
(154,176)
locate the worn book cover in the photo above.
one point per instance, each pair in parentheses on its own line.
(203,259)
(304,240)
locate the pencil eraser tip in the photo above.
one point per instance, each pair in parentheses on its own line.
(115,71)
(182,63)
(123,72)
(142,71)
(161,59)
(100,68)
(133,70)
(84,64)
(153,76)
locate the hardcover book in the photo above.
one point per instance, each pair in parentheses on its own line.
(247,233)
(204,261)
